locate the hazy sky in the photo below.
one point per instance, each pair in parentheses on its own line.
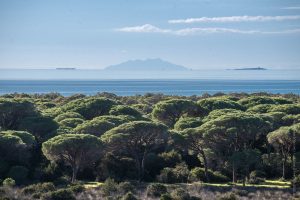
(195,33)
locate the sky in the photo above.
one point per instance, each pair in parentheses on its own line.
(198,34)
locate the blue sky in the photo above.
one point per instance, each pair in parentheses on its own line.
(199,34)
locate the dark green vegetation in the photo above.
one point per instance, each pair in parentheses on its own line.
(152,146)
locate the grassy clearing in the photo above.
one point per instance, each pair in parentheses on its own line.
(90,185)
(265,184)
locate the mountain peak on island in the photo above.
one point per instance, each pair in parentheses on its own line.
(155,64)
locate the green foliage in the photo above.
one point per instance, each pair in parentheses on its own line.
(255,177)
(170,159)
(13,149)
(129,196)
(68,115)
(217,113)
(220,103)
(257,100)
(61,194)
(38,189)
(9,182)
(76,188)
(94,127)
(198,174)
(178,174)
(18,173)
(156,190)
(125,187)
(297,181)
(13,111)
(187,122)
(76,150)
(165,196)
(71,122)
(109,187)
(26,137)
(180,194)
(41,127)
(142,108)
(291,109)
(139,138)
(124,110)
(228,196)
(170,111)
(89,107)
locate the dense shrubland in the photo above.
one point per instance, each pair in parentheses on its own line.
(52,146)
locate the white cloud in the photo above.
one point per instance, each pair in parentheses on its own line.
(148,28)
(235,19)
(199,31)
(292,8)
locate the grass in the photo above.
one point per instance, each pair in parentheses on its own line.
(265,184)
(90,185)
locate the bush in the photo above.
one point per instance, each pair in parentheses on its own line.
(129,196)
(195,198)
(38,188)
(297,181)
(109,187)
(18,173)
(177,174)
(166,196)
(228,196)
(156,190)
(255,177)
(61,194)
(77,188)
(62,181)
(125,187)
(9,182)
(180,194)
(198,174)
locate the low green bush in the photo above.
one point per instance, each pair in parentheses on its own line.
(165,196)
(256,177)
(76,188)
(198,174)
(9,182)
(297,181)
(129,196)
(61,194)
(109,187)
(125,187)
(178,174)
(180,194)
(38,188)
(156,190)
(62,181)
(228,196)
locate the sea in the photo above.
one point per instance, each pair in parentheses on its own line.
(124,83)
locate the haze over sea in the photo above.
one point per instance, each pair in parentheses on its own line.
(193,82)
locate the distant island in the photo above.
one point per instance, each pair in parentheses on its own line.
(251,68)
(146,65)
(65,68)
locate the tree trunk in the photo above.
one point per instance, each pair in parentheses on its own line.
(138,166)
(74,174)
(233,173)
(283,167)
(143,168)
(205,167)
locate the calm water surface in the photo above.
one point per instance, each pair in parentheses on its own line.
(89,82)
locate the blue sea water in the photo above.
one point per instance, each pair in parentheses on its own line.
(89,82)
